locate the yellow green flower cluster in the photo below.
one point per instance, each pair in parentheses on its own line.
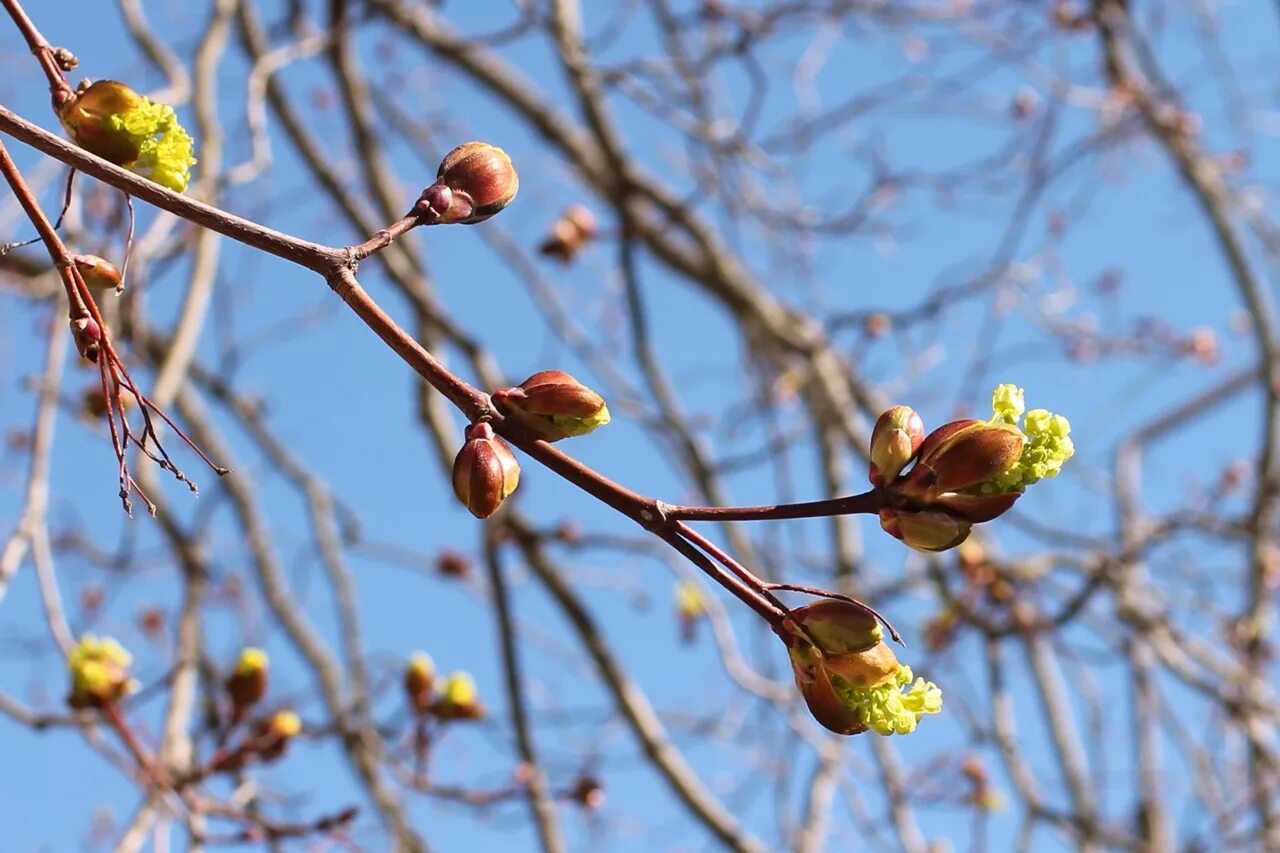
(885,708)
(164,147)
(116,123)
(1047,447)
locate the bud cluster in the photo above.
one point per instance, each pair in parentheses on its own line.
(964,472)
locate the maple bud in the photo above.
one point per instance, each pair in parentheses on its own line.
(419,679)
(961,455)
(553,405)
(485,471)
(113,121)
(275,733)
(458,699)
(851,680)
(896,437)
(98,273)
(247,683)
(475,181)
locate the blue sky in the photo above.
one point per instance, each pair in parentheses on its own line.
(344,404)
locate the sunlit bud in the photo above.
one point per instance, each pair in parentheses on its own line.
(569,234)
(113,121)
(691,607)
(99,671)
(960,455)
(98,273)
(275,733)
(927,530)
(897,435)
(247,683)
(475,181)
(87,334)
(458,699)
(485,471)
(553,405)
(419,680)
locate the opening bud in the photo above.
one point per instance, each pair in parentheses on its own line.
(852,681)
(485,471)
(961,455)
(475,181)
(99,671)
(458,699)
(896,437)
(98,273)
(247,683)
(553,405)
(419,679)
(275,733)
(927,530)
(113,121)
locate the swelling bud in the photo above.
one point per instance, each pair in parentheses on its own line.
(485,471)
(475,181)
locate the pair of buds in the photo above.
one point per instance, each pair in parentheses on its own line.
(550,405)
(455,699)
